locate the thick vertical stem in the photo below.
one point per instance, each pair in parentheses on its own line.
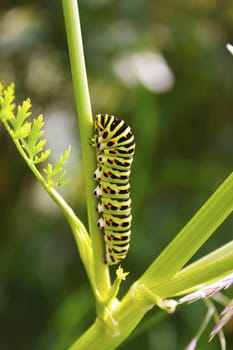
(83,105)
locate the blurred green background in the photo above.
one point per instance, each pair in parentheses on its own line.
(163,67)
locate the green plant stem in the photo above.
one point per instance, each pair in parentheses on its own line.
(83,105)
(99,336)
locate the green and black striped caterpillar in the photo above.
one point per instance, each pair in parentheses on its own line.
(115,146)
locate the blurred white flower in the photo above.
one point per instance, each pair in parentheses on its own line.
(45,74)
(147,67)
(18,28)
(230,48)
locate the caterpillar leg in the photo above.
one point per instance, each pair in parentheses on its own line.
(93,141)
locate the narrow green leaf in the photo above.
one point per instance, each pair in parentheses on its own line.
(193,235)
(36,131)
(23,131)
(8,96)
(56,174)
(37,148)
(38,123)
(35,145)
(61,175)
(58,167)
(57,181)
(42,157)
(48,170)
(22,114)
(206,270)
(33,138)
(6,104)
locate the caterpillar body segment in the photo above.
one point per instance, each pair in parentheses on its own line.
(114,206)
(111,175)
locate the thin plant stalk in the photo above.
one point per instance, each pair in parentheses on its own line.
(83,105)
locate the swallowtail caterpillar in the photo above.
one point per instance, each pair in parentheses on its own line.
(115,146)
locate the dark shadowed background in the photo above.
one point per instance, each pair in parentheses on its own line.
(162,66)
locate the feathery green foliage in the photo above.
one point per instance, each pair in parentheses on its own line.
(55,174)
(27,136)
